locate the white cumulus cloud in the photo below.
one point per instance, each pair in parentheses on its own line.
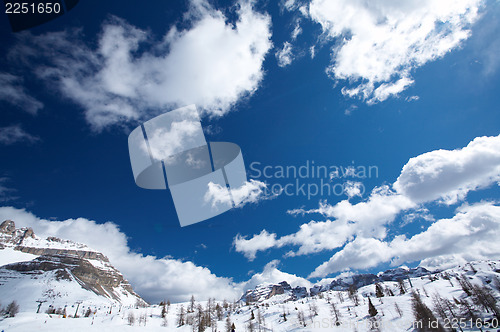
(449,175)
(470,235)
(380,42)
(129,76)
(157,279)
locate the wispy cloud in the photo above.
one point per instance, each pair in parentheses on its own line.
(5,191)
(16,134)
(285,55)
(13,92)
(130,76)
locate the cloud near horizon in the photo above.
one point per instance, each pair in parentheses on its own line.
(158,278)
(439,176)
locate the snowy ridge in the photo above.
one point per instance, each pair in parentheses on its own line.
(10,236)
(267,290)
(343,282)
(442,292)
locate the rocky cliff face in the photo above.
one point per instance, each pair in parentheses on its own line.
(63,260)
(266,291)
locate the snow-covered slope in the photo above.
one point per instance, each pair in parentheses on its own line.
(328,310)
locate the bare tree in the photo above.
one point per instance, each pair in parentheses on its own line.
(483,296)
(218,312)
(301,318)
(424,318)
(181,316)
(260,319)
(465,284)
(336,313)
(228,324)
(398,309)
(191,304)
(353,294)
(12,309)
(340,296)
(131,318)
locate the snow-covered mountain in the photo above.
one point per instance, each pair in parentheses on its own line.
(265,291)
(465,298)
(80,285)
(343,282)
(57,272)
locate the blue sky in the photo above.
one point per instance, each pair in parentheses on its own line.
(387,82)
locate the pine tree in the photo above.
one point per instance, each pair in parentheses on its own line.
(402,288)
(371,308)
(379,292)
(163,311)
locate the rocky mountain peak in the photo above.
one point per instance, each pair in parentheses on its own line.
(8,227)
(266,291)
(64,259)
